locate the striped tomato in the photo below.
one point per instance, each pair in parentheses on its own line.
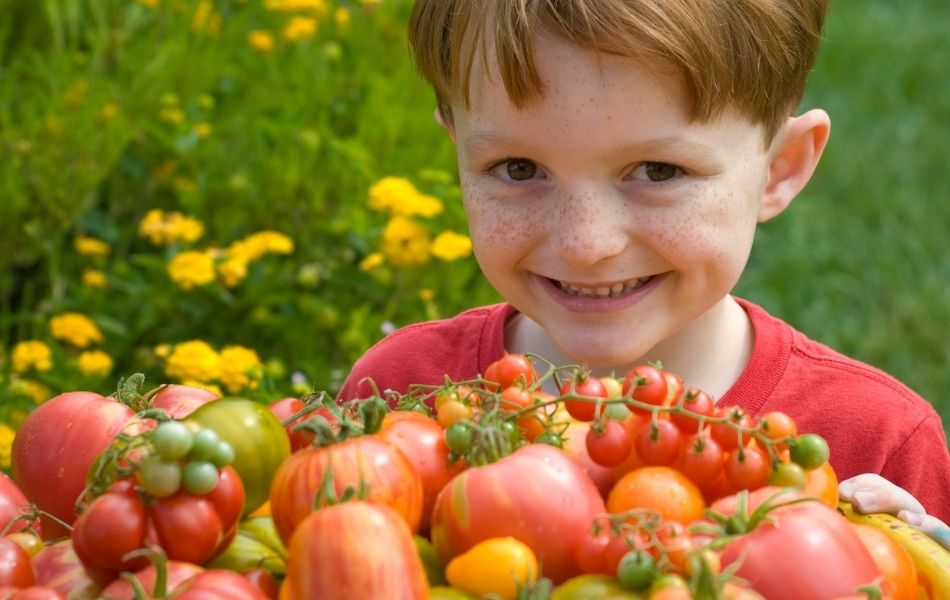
(537,495)
(367,461)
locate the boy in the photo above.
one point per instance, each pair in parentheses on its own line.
(615,157)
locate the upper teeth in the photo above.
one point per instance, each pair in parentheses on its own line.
(603,292)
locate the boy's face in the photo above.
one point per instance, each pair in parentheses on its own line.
(600,211)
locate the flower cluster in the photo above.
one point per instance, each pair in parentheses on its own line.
(167,228)
(196,362)
(405,241)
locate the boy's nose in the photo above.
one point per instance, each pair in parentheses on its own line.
(590,227)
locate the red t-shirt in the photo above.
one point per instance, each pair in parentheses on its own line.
(872,422)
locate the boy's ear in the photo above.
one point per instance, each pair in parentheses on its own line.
(445,120)
(794,156)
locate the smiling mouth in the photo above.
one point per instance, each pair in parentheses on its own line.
(617,289)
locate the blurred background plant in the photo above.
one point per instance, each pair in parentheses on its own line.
(249,193)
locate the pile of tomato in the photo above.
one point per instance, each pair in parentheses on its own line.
(516,483)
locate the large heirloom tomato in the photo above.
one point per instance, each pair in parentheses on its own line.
(354,550)
(12,501)
(538,495)
(368,461)
(179,401)
(258,438)
(804,550)
(55,447)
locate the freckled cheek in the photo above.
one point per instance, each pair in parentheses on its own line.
(499,227)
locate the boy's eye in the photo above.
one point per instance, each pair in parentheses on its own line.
(656,172)
(520,169)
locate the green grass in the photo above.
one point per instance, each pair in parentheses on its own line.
(860,259)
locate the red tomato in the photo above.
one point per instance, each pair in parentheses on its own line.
(113,525)
(286,408)
(56,445)
(385,471)
(727,437)
(218,584)
(658,443)
(648,384)
(554,500)
(264,581)
(590,554)
(179,401)
(697,402)
(58,567)
(700,459)
(34,592)
(609,447)
(354,550)
(574,438)
(177,573)
(422,441)
(804,550)
(12,501)
(512,369)
(16,570)
(748,468)
(584,410)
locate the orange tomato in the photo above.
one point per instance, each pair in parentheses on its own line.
(892,560)
(823,484)
(663,489)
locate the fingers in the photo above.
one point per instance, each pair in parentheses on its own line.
(929,524)
(870,493)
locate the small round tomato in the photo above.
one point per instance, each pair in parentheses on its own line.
(584,385)
(637,570)
(809,450)
(699,404)
(451,412)
(748,468)
(16,570)
(787,474)
(728,437)
(700,459)
(285,408)
(610,446)
(645,383)
(777,425)
(674,388)
(512,369)
(658,442)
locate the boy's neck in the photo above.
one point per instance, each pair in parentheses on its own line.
(710,353)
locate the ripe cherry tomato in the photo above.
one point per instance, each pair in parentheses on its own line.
(584,385)
(698,402)
(647,384)
(658,443)
(16,570)
(727,437)
(701,458)
(608,447)
(748,468)
(512,369)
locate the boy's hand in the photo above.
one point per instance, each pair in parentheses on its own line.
(870,493)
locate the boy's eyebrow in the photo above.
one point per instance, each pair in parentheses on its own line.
(481,141)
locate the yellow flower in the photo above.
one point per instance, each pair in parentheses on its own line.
(93,278)
(240,368)
(172,115)
(299,28)
(449,245)
(76,329)
(162,351)
(194,360)
(372,261)
(90,246)
(398,196)
(32,354)
(261,41)
(232,271)
(191,269)
(276,242)
(109,111)
(258,244)
(342,17)
(426,295)
(202,129)
(171,227)
(95,362)
(6,444)
(150,3)
(405,242)
(206,18)
(318,6)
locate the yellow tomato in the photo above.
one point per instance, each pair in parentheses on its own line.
(494,566)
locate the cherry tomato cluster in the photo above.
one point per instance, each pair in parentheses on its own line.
(183,456)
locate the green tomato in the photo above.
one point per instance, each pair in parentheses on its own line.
(593,587)
(787,474)
(435,570)
(551,439)
(258,438)
(204,444)
(458,437)
(636,570)
(809,451)
(200,477)
(159,478)
(223,455)
(172,440)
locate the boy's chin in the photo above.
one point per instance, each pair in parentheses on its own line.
(602,357)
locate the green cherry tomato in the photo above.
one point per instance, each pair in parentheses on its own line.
(458,437)
(200,477)
(172,440)
(636,570)
(223,455)
(204,444)
(787,474)
(159,478)
(551,439)
(809,451)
